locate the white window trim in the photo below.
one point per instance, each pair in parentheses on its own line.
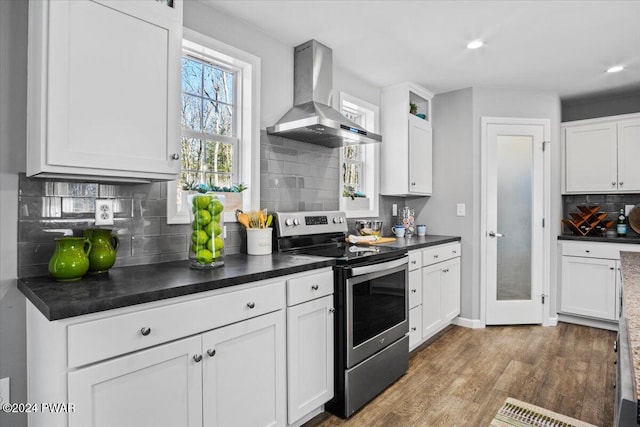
(249,133)
(371,172)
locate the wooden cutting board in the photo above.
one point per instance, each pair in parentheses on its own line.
(380,240)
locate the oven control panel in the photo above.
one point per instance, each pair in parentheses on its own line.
(305,223)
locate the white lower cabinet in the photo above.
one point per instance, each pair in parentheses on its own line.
(590,285)
(234,375)
(309,356)
(218,358)
(160,387)
(244,371)
(434,291)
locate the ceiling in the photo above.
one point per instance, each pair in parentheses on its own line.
(559,46)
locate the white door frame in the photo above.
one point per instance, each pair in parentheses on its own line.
(546,259)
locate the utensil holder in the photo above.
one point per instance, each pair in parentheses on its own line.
(259,241)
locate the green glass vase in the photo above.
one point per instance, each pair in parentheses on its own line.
(104,247)
(70,260)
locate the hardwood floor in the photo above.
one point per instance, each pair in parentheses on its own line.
(463,376)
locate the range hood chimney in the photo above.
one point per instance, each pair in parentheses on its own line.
(311,119)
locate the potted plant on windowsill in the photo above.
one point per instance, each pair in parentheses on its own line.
(355,200)
(233,194)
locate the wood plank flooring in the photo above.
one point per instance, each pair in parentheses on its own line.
(463,376)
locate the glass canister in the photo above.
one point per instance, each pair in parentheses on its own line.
(408,221)
(207,241)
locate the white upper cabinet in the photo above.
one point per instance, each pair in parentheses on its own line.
(407,141)
(104,89)
(600,156)
(628,155)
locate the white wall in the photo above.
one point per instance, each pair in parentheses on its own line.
(276,60)
(457,126)
(13,107)
(452,179)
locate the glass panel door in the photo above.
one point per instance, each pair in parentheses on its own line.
(514,181)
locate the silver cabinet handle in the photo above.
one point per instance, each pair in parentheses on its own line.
(494,234)
(251,304)
(332,310)
(211,352)
(613,183)
(436,256)
(414,329)
(197,358)
(455,252)
(315,287)
(175,156)
(611,268)
(414,290)
(621,183)
(145,331)
(414,262)
(413,184)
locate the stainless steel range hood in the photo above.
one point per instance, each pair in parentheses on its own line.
(311,119)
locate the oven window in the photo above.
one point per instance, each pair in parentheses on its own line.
(378,304)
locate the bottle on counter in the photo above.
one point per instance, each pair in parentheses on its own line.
(621,227)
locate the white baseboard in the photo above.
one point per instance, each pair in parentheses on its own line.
(468,323)
(586,321)
(553,321)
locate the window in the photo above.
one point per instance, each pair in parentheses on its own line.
(359,163)
(209,143)
(219,121)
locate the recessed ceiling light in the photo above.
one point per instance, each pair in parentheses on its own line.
(615,69)
(475,44)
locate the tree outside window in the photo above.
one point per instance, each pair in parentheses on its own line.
(209,126)
(359,163)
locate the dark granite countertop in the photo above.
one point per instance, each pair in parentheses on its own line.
(605,239)
(126,286)
(417,242)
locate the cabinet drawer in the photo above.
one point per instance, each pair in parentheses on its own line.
(415,260)
(415,326)
(111,336)
(306,288)
(597,249)
(440,253)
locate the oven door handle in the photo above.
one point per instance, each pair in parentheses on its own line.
(359,271)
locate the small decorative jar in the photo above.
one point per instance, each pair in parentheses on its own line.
(207,241)
(70,261)
(104,247)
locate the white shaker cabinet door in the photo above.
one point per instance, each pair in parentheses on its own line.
(310,356)
(105,89)
(420,156)
(589,287)
(591,158)
(160,387)
(629,155)
(450,291)
(431,298)
(244,373)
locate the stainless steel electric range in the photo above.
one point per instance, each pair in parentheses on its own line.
(371,302)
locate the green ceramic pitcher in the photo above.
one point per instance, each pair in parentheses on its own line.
(70,260)
(105,245)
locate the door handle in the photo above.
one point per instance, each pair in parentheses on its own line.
(494,234)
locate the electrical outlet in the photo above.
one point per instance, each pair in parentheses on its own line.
(5,390)
(104,212)
(460,209)
(394,210)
